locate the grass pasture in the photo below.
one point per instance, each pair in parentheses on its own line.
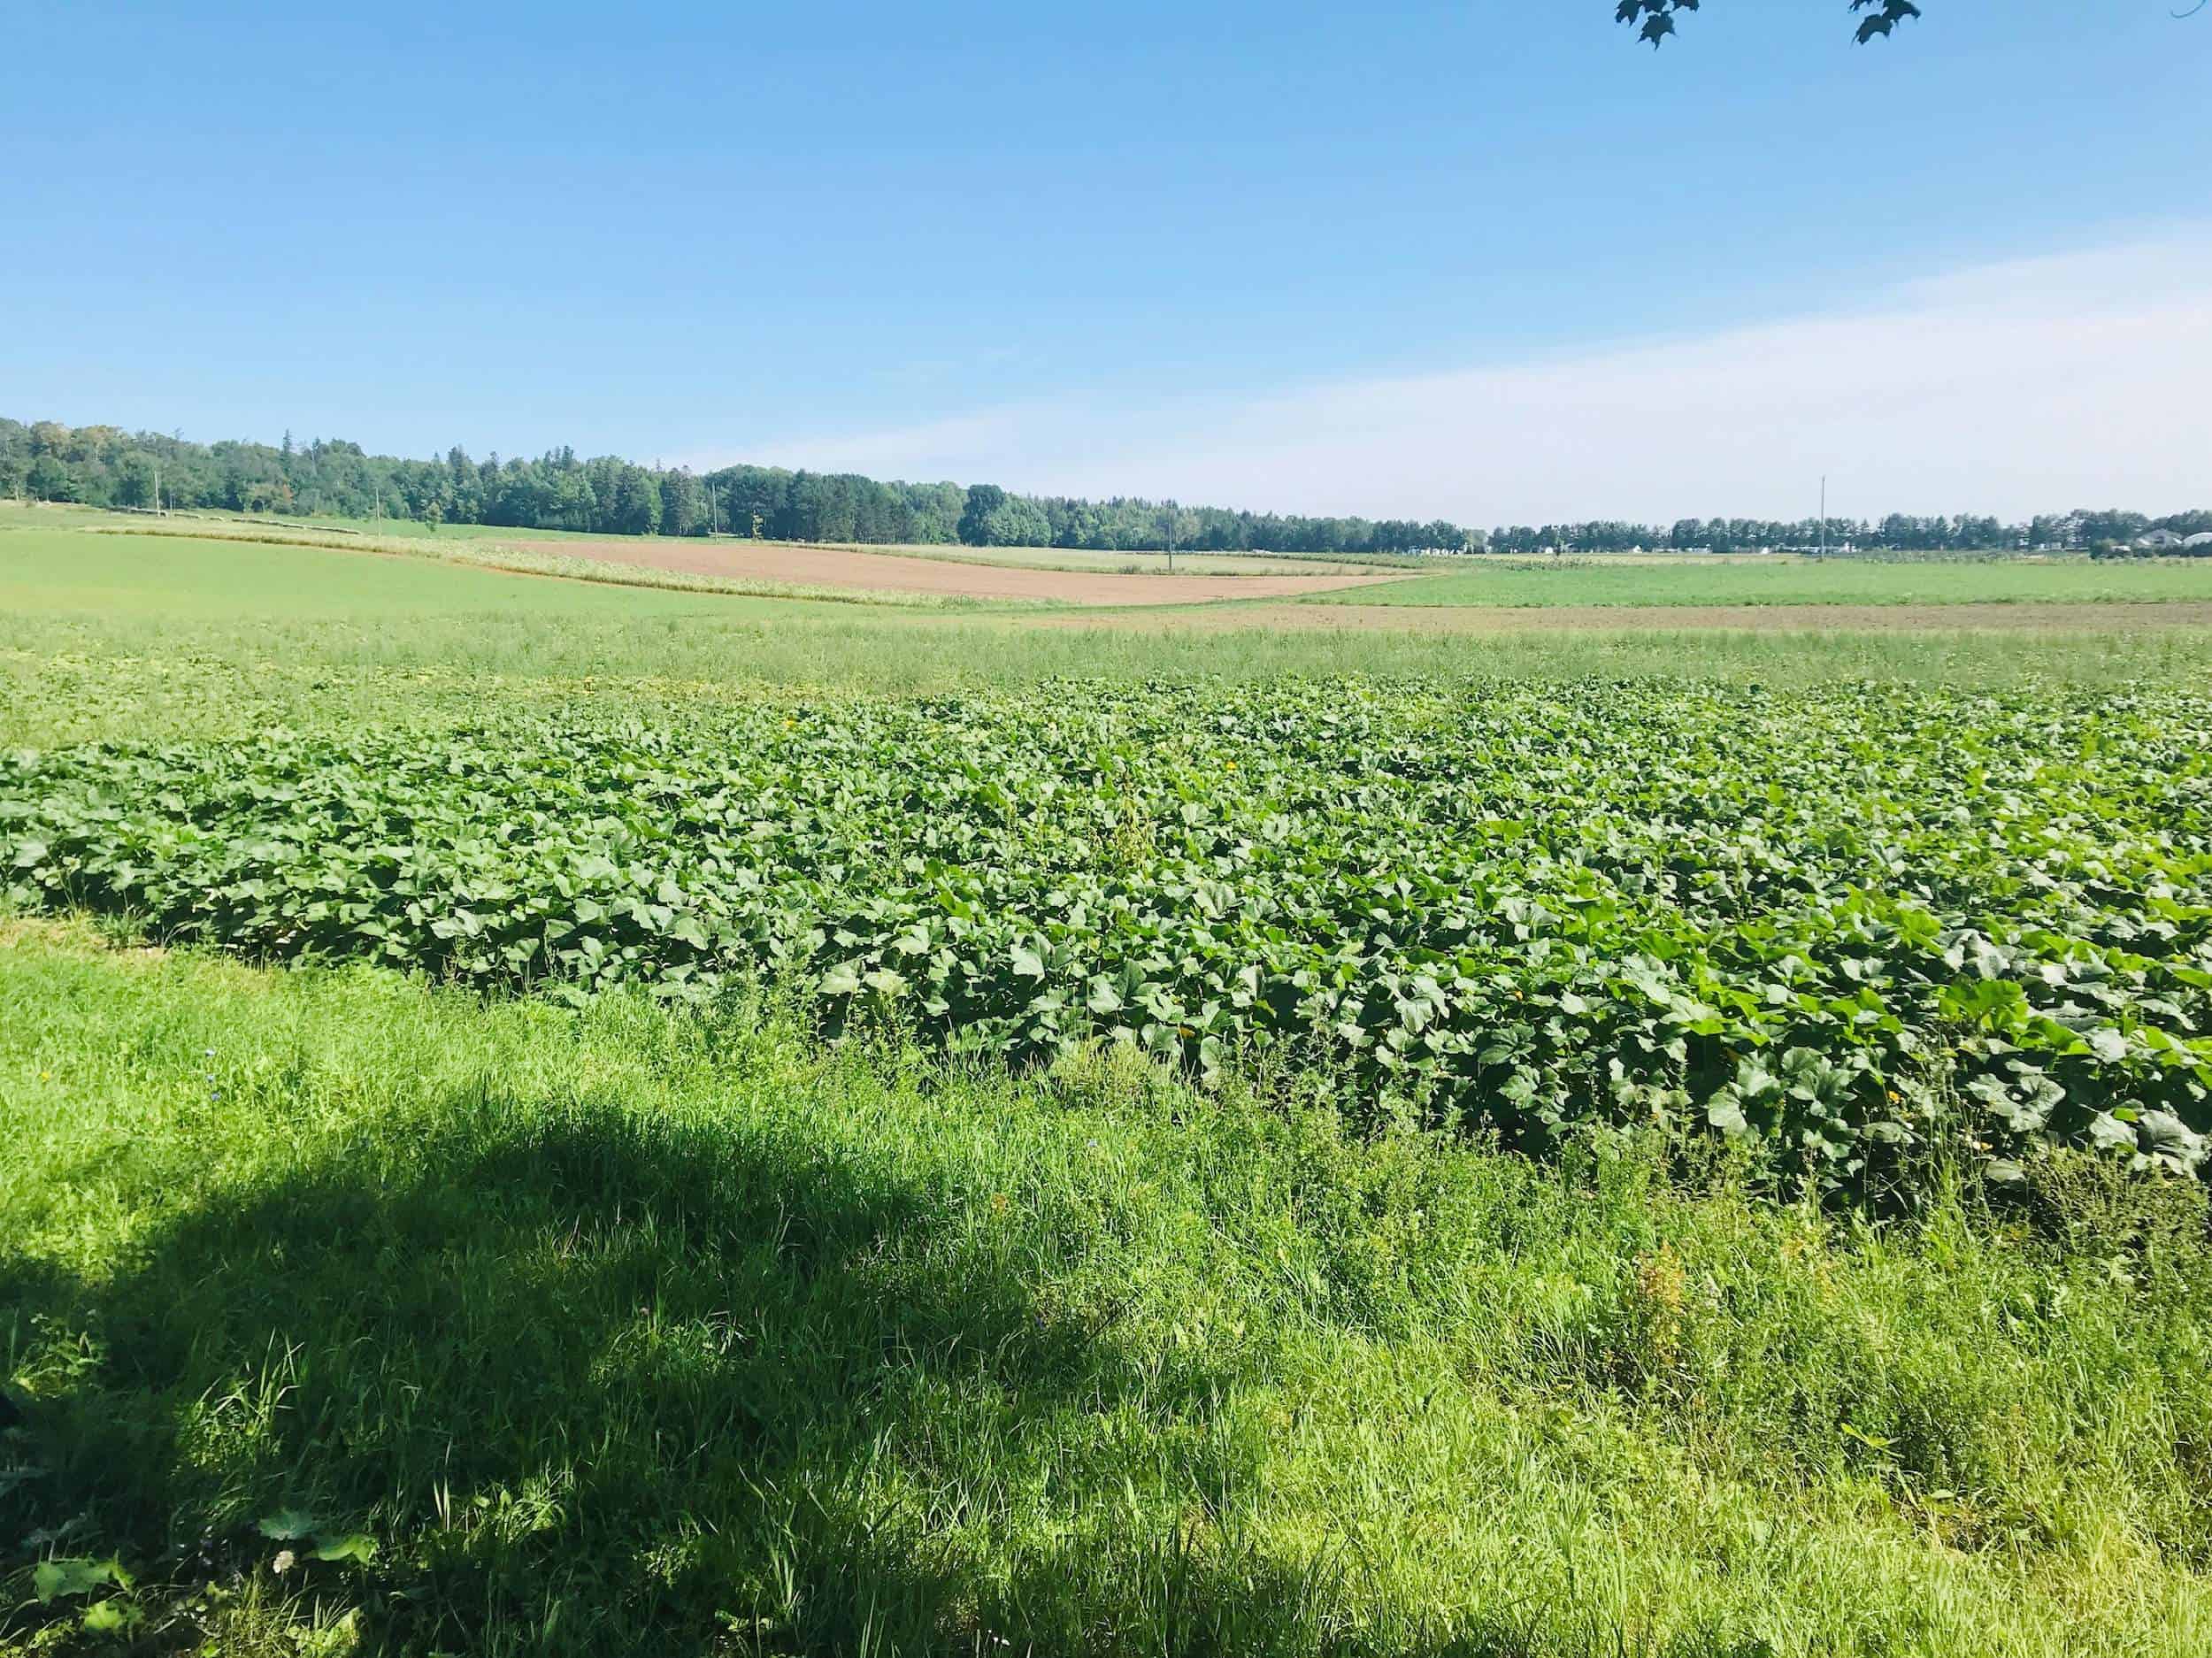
(626,1329)
(43,574)
(47,573)
(549,1117)
(121,635)
(1515,583)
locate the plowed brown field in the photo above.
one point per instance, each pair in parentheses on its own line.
(894,572)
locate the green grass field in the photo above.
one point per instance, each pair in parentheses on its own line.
(1592,581)
(123,635)
(352,1312)
(47,571)
(1627,582)
(623,1330)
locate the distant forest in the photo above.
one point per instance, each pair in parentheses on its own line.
(106,466)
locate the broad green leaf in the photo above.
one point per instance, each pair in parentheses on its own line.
(52,1579)
(358,1547)
(289,1525)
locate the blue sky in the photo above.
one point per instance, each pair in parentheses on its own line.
(1068,246)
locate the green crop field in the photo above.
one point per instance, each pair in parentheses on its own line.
(45,571)
(1518,914)
(1854,581)
(128,636)
(551,1117)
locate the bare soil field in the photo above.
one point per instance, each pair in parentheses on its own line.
(1089,561)
(1765,618)
(890,573)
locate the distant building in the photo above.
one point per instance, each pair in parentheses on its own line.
(2159,538)
(2198,543)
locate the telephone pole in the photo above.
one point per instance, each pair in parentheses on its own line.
(1824,515)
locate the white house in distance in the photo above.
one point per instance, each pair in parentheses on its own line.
(2199,543)
(2160,540)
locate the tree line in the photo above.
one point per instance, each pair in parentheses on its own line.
(103,466)
(1962,533)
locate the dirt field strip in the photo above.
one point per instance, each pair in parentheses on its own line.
(1764,618)
(841,567)
(1091,562)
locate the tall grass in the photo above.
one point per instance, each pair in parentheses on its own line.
(622,1331)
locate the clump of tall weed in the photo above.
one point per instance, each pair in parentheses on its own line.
(2095,1203)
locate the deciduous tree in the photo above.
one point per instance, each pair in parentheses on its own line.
(1654,19)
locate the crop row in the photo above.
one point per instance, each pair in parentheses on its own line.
(1850,928)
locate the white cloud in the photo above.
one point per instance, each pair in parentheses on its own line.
(2083,378)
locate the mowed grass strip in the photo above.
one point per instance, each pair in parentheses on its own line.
(625,1330)
(1793,581)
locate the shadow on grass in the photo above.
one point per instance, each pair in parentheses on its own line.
(601,1382)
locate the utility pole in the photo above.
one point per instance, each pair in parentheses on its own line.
(156,486)
(1824,515)
(1171,538)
